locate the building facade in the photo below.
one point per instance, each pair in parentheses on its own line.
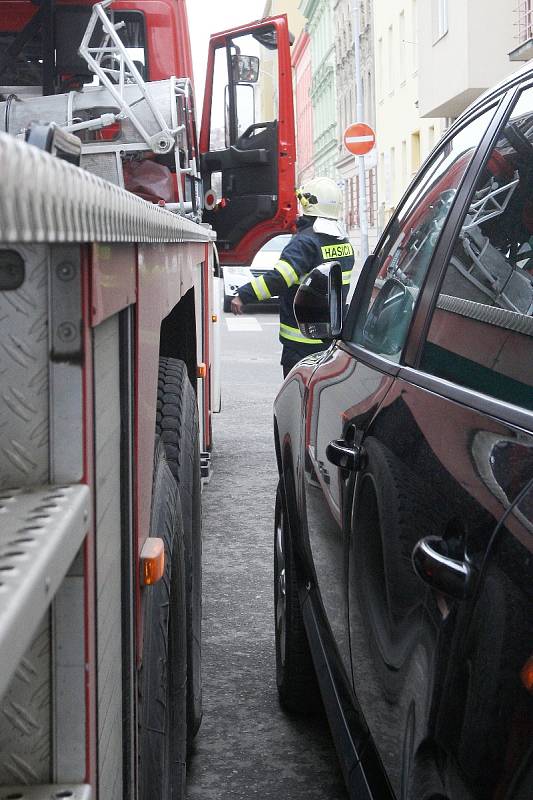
(268,84)
(466,43)
(347,166)
(303,108)
(404,139)
(319,15)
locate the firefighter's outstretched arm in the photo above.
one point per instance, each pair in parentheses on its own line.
(295,262)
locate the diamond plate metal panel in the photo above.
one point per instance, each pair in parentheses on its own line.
(108,556)
(87,209)
(24,375)
(41,532)
(49,792)
(25,716)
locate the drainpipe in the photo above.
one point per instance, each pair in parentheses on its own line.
(359,114)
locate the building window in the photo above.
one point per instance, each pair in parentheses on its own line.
(390,54)
(440,19)
(402,46)
(372,197)
(525,20)
(414,33)
(415,152)
(380,69)
(404,164)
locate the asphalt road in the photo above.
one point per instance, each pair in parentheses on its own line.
(247,746)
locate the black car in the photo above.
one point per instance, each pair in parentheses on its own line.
(404,513)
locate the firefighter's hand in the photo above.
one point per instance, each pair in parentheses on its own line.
(237,305)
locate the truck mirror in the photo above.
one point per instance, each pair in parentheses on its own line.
(245,69)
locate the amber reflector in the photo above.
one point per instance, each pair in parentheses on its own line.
(527,674)
(214,318)
(201,370)
(152,560)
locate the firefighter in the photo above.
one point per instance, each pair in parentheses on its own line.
(319,238)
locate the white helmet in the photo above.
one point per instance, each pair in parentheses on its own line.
(320,197)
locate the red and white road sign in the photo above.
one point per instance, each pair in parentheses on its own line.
(359,138)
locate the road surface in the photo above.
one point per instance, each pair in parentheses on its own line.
(247,746)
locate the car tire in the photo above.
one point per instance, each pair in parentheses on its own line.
(295,673)
(162,681)
(227,302)
(177,426)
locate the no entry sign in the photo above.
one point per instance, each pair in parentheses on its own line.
(359,138)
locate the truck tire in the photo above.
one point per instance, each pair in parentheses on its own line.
(163,673)
(177,427)
(295,673)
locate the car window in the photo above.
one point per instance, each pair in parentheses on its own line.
(401,263)
(481,330)
(276,244)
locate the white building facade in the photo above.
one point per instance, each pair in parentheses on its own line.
(347,167)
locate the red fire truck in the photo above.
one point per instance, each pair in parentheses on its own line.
(108,215)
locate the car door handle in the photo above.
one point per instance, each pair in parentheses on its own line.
(346,456)
(448,575)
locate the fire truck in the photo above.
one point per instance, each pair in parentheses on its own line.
(109,211)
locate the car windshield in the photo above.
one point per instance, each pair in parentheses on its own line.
(276,244)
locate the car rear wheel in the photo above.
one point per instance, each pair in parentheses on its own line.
(296,679)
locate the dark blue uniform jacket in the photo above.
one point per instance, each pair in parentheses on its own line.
(306,250)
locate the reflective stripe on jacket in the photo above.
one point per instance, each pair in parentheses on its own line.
(306,250)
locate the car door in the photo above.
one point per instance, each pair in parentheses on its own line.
(356,376)
(247,142)
(351,385)
(438,649)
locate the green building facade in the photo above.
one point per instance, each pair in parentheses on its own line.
(320,26)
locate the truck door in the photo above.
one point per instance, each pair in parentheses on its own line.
(247,138)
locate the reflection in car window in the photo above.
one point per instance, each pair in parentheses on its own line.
(401,263)
(482,327)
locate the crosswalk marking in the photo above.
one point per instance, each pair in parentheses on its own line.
(237,324)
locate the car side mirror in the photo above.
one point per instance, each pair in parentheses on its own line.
(389,316)
(318,302)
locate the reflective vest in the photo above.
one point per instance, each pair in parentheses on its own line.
(306,250)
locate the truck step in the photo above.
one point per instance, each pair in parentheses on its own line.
(49,792)
(41,531)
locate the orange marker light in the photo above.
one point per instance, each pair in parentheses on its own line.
(214,317)
(152,561)
(201,370)
(527,674)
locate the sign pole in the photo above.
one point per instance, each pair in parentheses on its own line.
(359,113)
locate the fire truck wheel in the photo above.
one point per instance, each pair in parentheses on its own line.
(295,673)
(163,673)
(177,426)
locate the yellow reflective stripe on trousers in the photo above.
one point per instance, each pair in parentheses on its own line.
(346,277)
(260,288)
(295,335)
(287,272)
